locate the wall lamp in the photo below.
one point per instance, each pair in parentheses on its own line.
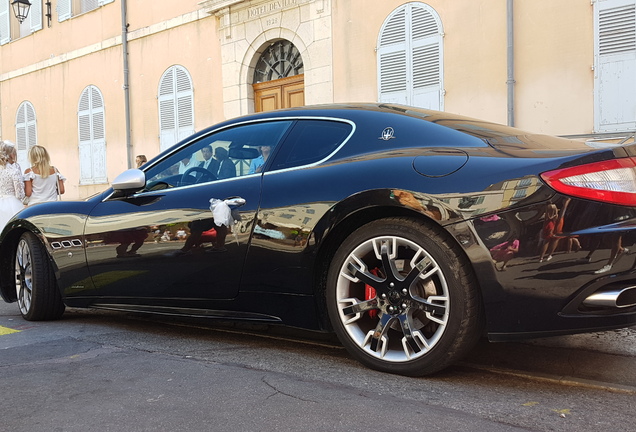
(21,9)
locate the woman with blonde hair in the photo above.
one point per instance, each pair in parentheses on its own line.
(42,182)
(11,185)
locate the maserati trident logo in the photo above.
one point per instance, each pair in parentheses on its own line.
(387,134)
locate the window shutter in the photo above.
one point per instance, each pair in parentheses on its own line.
(84,132)
(393,77)
(5,28)
(176,107)
(92,138)
(32,133)
(99,136)
(21,138)
(64,10)
(615,78)
(26,132)
(393,74)
(167,114)
(185,105)
(88,5)
(103,2)
(426,58)
(35,16)
(409,58)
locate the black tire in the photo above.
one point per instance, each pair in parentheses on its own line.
(39,298)
(423,311)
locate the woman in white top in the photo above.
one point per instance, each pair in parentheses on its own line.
(11,186)
(42,182)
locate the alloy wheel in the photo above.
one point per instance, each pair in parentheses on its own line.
(393,299)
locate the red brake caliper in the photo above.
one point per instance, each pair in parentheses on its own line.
(369,293)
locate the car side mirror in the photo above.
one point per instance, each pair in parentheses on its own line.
(130,180)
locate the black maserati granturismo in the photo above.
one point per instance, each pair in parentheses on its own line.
(409,233)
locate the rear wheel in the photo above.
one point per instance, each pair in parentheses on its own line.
(402,299)
(37,293)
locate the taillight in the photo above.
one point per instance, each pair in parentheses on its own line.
(612,181)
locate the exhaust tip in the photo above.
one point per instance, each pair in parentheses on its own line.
(618,298)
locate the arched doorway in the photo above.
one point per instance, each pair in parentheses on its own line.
(279,80)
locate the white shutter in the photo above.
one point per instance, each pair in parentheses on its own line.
(88,5)
(32,132)
(167,110)
(99,136)
(185,104)
(409,58)
(5,28)
(392,60)
(426,59)
(84,133)
(26,132)
(176,107)
(22,137)
(103,2)
(64,10)
(615,77)
(92,137)
(35,16)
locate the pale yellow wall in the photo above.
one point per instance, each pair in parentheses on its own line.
(553,58)
(554,50)
(144,13)
(54,43)
(474,53)
(475,58)
(191,46)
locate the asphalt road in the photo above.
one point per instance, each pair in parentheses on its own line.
(107,371)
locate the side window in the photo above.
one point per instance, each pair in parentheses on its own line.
(311,141)
(226,154)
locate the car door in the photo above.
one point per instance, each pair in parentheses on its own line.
(182,240)
(297,191)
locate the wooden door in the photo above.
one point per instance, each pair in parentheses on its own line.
(281,93)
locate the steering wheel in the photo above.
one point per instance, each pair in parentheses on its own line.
(203,176)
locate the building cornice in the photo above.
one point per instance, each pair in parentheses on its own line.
(214,6)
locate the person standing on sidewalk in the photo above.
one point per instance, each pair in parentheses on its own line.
(42,182)
(11,186)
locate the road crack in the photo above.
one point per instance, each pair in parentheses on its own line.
(277,391)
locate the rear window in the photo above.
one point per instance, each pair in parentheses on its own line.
(311,141)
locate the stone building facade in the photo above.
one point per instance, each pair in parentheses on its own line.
(100,81)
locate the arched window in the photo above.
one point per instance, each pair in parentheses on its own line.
(92,136)
(26,132)
(279,60)
(279,80)
(410,57)
(176,106)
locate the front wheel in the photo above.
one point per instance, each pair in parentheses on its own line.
(402,298)
(37,293)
